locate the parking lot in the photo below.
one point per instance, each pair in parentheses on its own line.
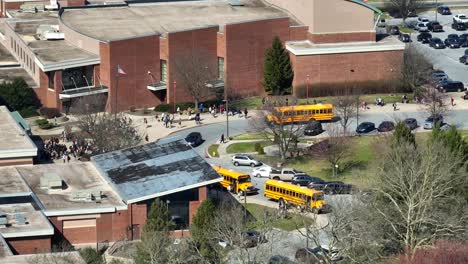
(443,59)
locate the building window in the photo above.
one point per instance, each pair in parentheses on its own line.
(221,68)
(51,76)
(163,71)
(78,77)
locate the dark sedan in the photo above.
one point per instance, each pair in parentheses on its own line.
(365,127)
(435,26)
(424,37)
(194,139)
(404,38)
(459,26)
(304,180)
(386,126)
(411,123)
(333,187)
(436,43)
(463,59)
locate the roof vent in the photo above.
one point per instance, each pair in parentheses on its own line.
(20,219)
(235,3)
(49,32)
(51,181)
(87,196)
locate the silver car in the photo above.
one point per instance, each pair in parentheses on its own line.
(245,160)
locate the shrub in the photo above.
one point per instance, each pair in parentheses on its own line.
(49,113)
(259,148)
(442,252)
(17,95)
(28,111)
(91,256)
(41,121)
(132,109)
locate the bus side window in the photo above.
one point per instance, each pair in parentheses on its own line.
(330,111)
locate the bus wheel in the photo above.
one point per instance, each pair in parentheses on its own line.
(312,119)
(276,178)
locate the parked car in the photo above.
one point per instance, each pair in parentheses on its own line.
(453,43)
(411,24)
(365,127)
(465,95)
(393,30)
(194,139)
(251,238)
(439,76)
(433,120)
(423,19)
(424,37)
(404,38)
(422,27)
(321,254)
(451,86)
(285,174)
(466,52)
(463,59)
(313,128)
(435,26)
(411,123)
(460,18)
(278,259)
(386,126)
(333,187)
(246,160)
(305,180)
(263,171)
(444,10)
(382,23)
(458,26)
(436,43)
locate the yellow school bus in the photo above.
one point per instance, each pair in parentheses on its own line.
(301,113)
(236,182)
(290,194)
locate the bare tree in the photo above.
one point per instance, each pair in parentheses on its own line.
(346,107)
(56,258)
(273,124)
(406,7)
(195,75)
(415,195)
(335,148)
(107,132)
(416,68)
(434,102)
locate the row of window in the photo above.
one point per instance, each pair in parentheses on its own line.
(285,192)
(308,112)
(22,55)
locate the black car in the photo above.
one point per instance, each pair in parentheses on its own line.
(453,43)
(313,128)
(424,37)
(386,126)
(444,10)
(305,180)
(436,43)
(194,139)
(435,26)
(365,127)
(393,30)
(463,59)
(404,37)
(459,26)
(463,36)
(464,43)
(411,123)
(252,238)
(466,52)
(451,86)
(333,187)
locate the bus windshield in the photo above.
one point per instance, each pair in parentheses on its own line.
(244,180)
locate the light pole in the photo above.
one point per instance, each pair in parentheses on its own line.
(307,87)
(174,108)
(436,10)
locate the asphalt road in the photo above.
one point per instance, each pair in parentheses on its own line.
(211,134)
(442,59)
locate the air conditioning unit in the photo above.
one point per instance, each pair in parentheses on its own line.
(20,219)
(51,181)
(49,32)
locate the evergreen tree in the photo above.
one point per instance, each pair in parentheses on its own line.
(17,95)
(277,71)
(402,135)
(452,139)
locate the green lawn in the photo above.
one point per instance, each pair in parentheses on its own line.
(213,150)
(245,147)
(292,222)
(248,136)
(256,102)
(404,29)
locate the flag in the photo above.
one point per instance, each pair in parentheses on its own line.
(120,70)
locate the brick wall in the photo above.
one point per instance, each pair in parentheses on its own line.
(342,37)
(30,245)
(136,57)
(68,3)
(246,44)
(298,32)
(349,67)
(199,46)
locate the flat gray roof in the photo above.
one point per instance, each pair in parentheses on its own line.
(155,169)
(11,183)
(14,142)
(111,23)
(36,223)
(52,54)
(76,177)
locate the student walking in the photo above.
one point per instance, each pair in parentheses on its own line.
(452,101)
(245,112)
(222,139)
